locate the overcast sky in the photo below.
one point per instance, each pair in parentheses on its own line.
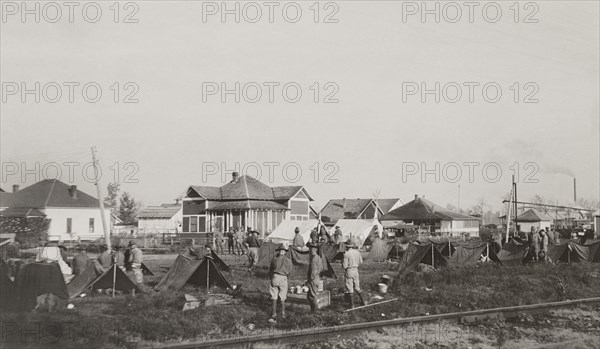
(372,135)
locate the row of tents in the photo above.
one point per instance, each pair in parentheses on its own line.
(513,252)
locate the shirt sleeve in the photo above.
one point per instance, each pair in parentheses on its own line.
(345,261)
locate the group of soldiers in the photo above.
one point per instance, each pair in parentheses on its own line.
(539,241)
(281,268)
(239,241)
(129,259)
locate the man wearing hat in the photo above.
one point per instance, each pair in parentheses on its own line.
(314,276)
(136,258)
(253,244)
(279,270)
(80,260)
(104,259)
(338,235)
(352,259)
(298,240)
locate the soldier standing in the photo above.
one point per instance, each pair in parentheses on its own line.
(279,270)
(314,276)
(352,259)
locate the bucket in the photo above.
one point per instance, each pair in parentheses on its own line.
(382,288)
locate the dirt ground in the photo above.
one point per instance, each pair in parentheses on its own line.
(152,319)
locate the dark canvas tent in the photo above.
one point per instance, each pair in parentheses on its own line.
(36,279)
(198,272)
(417,254)
(446,248)
(300,258)
(8,289)
(513,252)
(379,250)
(594,252)
(89,279)
(571,252)
(470,254)
(396,250)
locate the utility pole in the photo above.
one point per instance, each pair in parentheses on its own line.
(100,200)
(458,209)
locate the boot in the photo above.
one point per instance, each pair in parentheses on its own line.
(362,300)
(274,313)
(351,300)
(283,310)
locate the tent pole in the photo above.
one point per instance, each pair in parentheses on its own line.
(115,266)
(207,275)
(432,256)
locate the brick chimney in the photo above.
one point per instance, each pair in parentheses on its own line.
(416,196)
(234,177)
(15,188)
(73,192)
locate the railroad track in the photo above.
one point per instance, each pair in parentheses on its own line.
(320,334)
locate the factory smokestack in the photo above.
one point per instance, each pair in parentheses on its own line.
(575,190)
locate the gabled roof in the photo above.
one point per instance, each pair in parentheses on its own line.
(246,204)
(422,209)
(246,188)
(50,193)
(386,204)
(165,211)
(23,212)
(6,199)
(533,215)
(334,209)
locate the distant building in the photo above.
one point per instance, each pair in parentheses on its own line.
(337,209)
(73,214)
(433,217)
(165,218)
(243,202)
(533,218)
(596,217)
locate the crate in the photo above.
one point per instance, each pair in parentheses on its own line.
(300,301)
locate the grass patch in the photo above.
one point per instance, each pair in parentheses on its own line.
(157,317)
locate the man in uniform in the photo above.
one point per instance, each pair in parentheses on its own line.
(298,240)
(314,276)
(104,259)
(230,241)
(279,270)
(338,235)
(239,240)
(352,259)
(136,259)
(80,261)
(219,242)
(253,245)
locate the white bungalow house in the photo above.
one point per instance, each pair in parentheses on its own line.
(73,214)
(243,202)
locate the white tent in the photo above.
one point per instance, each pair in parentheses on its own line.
(358,228)
(285,230)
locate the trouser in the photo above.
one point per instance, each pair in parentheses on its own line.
(278,287)
(239,244)
(219,246)
(352,280)
(230,246)
(313,288)
(137,271)
(253,255)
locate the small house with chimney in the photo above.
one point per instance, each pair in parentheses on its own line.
(73,214)
(337,209)
(241,203)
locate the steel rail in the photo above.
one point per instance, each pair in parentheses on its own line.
(317,334)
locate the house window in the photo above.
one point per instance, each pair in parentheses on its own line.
(186,224)
(193,224)
(91,225)
(69,225)
(202,224)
